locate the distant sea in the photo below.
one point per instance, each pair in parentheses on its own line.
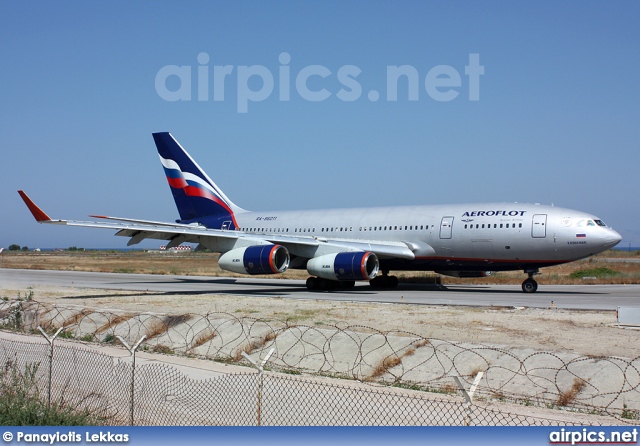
(626,248)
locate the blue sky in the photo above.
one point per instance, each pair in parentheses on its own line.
(556,120)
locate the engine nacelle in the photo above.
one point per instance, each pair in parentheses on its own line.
(345,266)
(260,259)
(465,274)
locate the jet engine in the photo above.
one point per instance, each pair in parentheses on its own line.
(345,266)
(259,259)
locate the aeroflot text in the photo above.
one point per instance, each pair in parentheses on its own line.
(494,213)
(256,83)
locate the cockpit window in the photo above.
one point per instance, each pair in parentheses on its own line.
(588,222)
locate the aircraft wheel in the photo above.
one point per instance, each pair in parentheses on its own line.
(326,285)
(529,286)
(387,282)
(347,284)
(312,283)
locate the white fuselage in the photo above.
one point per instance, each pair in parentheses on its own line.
(485,236)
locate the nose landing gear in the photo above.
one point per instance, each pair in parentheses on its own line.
(530,285)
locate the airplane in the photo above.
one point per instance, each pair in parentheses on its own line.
(341,246)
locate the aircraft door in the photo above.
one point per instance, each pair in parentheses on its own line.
(539,226)
(446,227)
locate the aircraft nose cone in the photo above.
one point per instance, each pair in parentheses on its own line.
(614,238)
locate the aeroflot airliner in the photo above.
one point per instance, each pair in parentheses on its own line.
(340,246)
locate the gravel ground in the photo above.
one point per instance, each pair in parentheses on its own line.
(591,333)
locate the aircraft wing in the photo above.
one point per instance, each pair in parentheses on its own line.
(175,234)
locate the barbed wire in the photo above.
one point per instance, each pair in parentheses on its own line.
(606,385)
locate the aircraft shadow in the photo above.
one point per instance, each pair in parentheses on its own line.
(486,289)
(278,288)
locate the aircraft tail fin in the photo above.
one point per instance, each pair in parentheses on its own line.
(197,197)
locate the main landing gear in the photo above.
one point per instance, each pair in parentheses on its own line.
(530,285)
(384,281)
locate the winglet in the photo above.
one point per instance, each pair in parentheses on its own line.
(38,213)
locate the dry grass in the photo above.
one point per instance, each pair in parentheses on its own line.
(254,345)
(203,337)
(385,365)
(76,317)
(113,322)
(392,361)
(569,396)
(138,262)
(473,373)
(449,388)
(156,328)
(176,319)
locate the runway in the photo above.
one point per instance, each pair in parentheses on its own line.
(585,297)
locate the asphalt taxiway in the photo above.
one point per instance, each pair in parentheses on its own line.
(585,297)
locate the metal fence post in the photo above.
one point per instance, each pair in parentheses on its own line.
(50,341)
(132,351)
(260,368)
(468,395)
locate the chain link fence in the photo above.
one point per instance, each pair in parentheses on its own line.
(92,381)
(161,395)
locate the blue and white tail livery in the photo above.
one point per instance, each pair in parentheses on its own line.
(197,197)
(341,246)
